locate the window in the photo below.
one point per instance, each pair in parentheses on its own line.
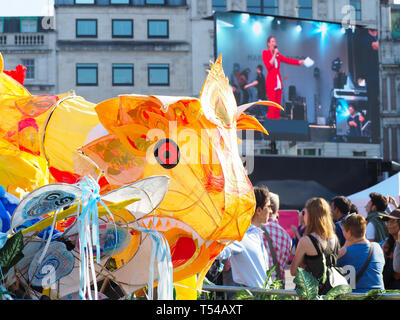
(122,28)
(356,4)
(86,28)
(122,74)
(219,5)
(119,1)
(157,28)
(305,9)
(158,74)
(30,68)
(262,6)
(86,74)
(155,2)
(29,25)
(84,2)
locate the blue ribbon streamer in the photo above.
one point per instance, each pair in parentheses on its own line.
(88,221)
(160,250)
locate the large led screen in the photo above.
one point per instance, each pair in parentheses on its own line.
(322,74)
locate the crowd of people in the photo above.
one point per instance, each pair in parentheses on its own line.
(365,249)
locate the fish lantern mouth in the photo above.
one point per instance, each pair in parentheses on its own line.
(184,242)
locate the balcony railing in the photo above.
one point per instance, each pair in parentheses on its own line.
(29,39)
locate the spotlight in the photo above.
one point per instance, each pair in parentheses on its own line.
(324,28)
(298,28)
(257,28)
(278,22)
(245,17)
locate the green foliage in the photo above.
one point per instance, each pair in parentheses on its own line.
(269,285)
(11,253)
(307,287)
(306,284)
(336,292)
(245,295)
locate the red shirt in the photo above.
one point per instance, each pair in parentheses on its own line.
(282,243)
(273,72)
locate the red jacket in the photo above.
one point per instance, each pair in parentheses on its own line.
(271,80)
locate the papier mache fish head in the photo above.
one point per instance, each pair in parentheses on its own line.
(210,200)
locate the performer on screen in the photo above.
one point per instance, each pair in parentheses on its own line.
(272,60)
(355,121)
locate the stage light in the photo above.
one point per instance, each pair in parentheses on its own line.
(324,28)
(343,30)
(278,22)
(245,17)
(257,28)
(269,19)
(342,110)
(298,28)
(223,23)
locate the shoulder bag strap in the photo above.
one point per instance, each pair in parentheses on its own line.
(361,272)
(316,244)
(273,252)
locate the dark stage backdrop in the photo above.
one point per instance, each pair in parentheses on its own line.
(296,179)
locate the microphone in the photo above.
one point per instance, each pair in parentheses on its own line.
(276,47)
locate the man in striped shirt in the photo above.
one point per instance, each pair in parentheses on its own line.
(281,241)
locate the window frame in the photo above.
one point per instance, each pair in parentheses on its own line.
(82,66)
(121,36)
(84,4)
(25,19)
(356,11)
(151,66)
(263,8)
(158,36)
(155,4)
(120,4)
(219,7)
(85,36)
(116,66)
(306,8)
(28,71)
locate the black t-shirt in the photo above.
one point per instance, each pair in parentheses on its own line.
(261,86)
(354,131)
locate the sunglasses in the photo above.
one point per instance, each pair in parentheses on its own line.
(349,215)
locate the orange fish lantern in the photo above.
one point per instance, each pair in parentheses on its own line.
(210,200)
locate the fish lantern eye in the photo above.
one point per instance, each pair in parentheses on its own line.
(167,153)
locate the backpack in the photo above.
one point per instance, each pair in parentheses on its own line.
(332,276)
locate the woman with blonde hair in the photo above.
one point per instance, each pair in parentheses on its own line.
(319,239)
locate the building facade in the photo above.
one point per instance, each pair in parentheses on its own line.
(103,48)
(390,79)
(106,48)
(30,41)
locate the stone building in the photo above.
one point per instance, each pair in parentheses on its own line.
(30,41)
(389,49)
(102,48)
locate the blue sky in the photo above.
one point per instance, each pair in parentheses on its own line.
(26,8)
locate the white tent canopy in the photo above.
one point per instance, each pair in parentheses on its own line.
(388,187)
